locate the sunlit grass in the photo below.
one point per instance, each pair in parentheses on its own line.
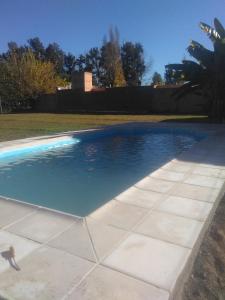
(15,126)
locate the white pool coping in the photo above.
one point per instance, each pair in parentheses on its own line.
(140,245)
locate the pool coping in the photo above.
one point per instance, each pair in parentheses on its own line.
(111,259)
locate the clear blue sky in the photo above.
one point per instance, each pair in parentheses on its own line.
(164,27)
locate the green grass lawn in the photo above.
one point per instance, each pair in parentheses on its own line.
(15,126)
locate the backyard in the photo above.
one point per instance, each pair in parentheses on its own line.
(112,151)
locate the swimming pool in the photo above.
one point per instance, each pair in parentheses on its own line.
(84,171)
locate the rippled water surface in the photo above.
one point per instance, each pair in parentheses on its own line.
(81,177)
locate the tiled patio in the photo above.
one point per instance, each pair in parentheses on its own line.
(136,247)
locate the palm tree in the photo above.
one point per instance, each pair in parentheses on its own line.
(207,75)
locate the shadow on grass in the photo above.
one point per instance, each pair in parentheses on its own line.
(196,119)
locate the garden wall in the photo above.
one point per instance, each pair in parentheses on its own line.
(143,99)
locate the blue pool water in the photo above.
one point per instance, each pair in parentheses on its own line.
(79,176)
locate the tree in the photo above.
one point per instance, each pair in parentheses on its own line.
(55,55)
(119,80)
(207,75)
(133,63)
(157,79)
(23,78)
(37,48)
(93,64)
(112,71)
(69,64)
(81,63)
(172,77)
(14,48)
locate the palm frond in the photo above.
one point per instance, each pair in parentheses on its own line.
(176,67)
(192,64)
(211,32)
(189,70)
(203,55)
(219,28)
(185,89)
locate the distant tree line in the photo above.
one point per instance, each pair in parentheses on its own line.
(32,69)
(111,64)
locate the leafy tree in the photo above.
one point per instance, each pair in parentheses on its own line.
(93,64)
(112,71)
(157,79)
(55,55)
(81,63)
(119,80)
(133,63)
(23,78)
(37,48)
(207,75)
(69,64)
(14,48)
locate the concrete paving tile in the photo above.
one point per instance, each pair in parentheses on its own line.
(104,237)
(155,185)
(195,192)
(168,175)
(140,197)
(188,163)
(121,215)
(185,207)
(78,239)
(170,228)
(47,273)
(41,226)
(11,211)
(205,181)
(213,172)
(148,259)
(22,247)
(178,167)
(75,240)
(106,284)
(222,173)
